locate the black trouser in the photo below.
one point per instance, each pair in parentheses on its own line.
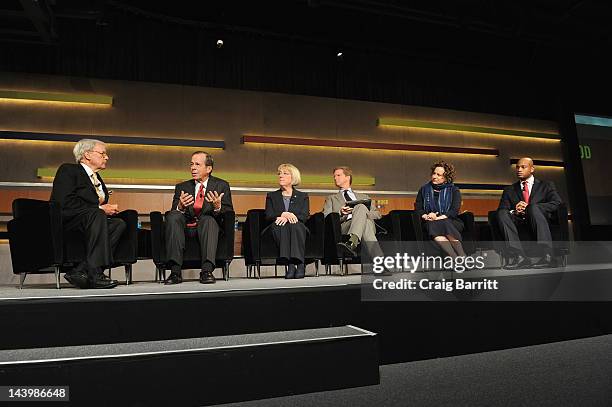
(207,233)
(101,233)
(291,240)
(535,218)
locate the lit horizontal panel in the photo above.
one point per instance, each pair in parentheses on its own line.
(464,127)
(57,97)
(148,141)
(541,163)
(231,177)
(367,145)
(593,120)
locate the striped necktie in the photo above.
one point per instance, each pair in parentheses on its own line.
(96,183)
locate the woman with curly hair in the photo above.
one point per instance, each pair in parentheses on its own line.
(438,204)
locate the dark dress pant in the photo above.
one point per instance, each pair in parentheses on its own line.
(535,218)
(102,233)
(206,231)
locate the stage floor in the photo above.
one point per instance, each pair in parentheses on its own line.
(47,290)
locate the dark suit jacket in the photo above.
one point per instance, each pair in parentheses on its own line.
(543,194)
(73,189)
(298,205)
(214,184)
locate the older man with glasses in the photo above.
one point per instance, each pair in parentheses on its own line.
(83,197)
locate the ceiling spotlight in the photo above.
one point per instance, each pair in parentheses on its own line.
(219,43)
(340,54)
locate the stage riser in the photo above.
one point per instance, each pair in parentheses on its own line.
(407,330)
(210,377)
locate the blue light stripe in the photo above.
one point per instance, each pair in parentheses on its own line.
(593,120)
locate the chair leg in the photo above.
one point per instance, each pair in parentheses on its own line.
(258,266)
(248,271)
(276,270)
(327,272)
(128,274)
(57,277)
(22,277)
(341,264)
(316,268)
(109,273)
(162,273)
(227,267)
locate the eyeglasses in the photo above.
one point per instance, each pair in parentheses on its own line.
(102,153)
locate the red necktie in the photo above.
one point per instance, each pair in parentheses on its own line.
(525,192)
(199,202)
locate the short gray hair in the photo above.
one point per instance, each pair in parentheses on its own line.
(296,177)
(82,146)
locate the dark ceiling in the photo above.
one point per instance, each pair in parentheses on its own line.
(543,39)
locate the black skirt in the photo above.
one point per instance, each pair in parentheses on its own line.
(443,227)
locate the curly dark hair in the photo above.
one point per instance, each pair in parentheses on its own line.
(449,170)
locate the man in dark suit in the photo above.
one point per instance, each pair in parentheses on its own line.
(83,197)
(196,207)
(530,201)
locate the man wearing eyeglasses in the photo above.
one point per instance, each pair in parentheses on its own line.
(83,197)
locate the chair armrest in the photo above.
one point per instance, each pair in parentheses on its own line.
(469,232)
(333,236)
(561,219)
(251,235)
(127,250)
(36,224)
(315,241)
(158,249)
(384,227)
(227,222)
(469,225)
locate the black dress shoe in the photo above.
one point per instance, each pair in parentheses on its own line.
(290,271)
(206,277)
(300,270)
(519,262)
(348,247)
(97,283)
(547,261)
(173,278)
(103,277)
(77,279)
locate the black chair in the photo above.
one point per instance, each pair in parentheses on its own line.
(39,245)
(334,255)
(260,251)
(409,223)
(191,257)
(559,231)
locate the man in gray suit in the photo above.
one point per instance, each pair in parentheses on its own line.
(357,221)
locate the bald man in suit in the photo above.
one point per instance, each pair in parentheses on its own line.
(528,201)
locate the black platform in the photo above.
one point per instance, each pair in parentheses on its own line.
(201,371)
(406,330)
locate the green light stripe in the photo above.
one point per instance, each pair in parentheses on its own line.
(231,177)
(464,127)
(57,97)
